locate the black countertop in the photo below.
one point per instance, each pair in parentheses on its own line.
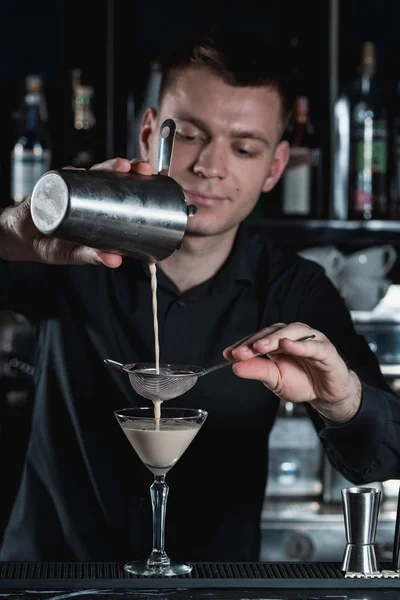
(208,581)
(203,594)
(198,595)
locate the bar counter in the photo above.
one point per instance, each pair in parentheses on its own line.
(219,581)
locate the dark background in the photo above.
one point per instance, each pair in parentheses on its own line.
(114,42)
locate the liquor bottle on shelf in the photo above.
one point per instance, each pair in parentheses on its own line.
(84,127)
(394,160)
(31,154)
(368,142)
(76,79)
(341,157)
(301,182)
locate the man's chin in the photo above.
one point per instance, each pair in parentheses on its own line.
(194,234)
(201,229)
(207,229)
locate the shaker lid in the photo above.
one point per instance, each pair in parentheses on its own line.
(49,202)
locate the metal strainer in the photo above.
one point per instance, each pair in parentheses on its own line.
(172,380)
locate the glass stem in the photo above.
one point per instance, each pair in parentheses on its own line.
(159,494)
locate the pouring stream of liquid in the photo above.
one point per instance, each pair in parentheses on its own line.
(153,273)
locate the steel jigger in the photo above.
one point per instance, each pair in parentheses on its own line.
(396,542)
(361,509)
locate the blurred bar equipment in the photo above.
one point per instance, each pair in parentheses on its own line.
(396,543)
(361,509)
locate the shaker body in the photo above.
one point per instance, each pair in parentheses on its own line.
(134,215)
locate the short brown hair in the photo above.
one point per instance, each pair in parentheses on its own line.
(239,58)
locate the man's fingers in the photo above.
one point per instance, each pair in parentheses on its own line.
(69,168)
(83,255)
(110,260)
(79,255)
(293,331)
(114,164)
(227,353)
(313,349)
(246,343)
(56,251)
(259,369)
(140,166)
(123,165)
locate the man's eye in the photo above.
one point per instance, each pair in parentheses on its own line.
(245,153)
(186,137)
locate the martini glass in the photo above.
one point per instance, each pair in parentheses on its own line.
(159,443)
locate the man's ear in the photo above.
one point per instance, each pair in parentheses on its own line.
(147,127)
(280,161)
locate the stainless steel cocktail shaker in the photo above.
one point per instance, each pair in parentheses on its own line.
(134,215)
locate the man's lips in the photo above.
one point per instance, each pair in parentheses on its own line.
(202,199)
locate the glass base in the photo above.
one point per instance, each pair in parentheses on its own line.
(140,567)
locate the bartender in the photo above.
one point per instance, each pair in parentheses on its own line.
(84,492)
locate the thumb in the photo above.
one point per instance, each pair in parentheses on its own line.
(258,369)
(61,252)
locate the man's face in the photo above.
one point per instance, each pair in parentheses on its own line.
(226,147)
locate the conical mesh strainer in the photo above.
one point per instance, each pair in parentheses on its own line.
(170,382)
(173,379)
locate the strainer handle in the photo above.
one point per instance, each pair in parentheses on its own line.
(114,363)
(166,144)
(228,362)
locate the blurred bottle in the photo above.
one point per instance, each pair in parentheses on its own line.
(84,127)
(341,157)
(368,142)
(394,160)
(301,182)
(31,154)
(76,79)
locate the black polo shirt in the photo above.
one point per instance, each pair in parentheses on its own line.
(84,493)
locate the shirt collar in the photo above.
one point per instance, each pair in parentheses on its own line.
(241,266)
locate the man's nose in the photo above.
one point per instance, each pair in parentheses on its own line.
(211,161)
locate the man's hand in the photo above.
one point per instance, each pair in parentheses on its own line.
(20,240)
(310,371)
